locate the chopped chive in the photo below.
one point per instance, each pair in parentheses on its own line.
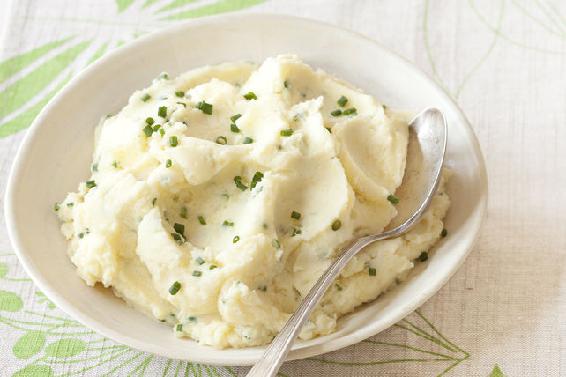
(296,231)
(183,212)
(350,111)
(295,215)
(174,288)
(286,133)
(161,132)
(444,233)
(258,176)
(197,273)
(149,120)
(235,117)
(156,127)
(221,140)
(153,202)
(182,104)
(179,327)
(393,199)
(179,228)
(180,94)
(212,267)
(94,167)
(342,101)
(423,257)
(336,225)
(286,84)
(148,130)
(164,76)
(173,141)
(201,220)
(90,184)
(115,164)
(228,223)
(70,204)
(199,260)
(234,128)
(162,112)
(169,163)
(239,184)
(250,95)
(372,271)
(205,107)
(248,140)
(56,207)
(81,235)
(336,113)
(192,319)
(236,239)
(146,97)
(275,243)
(179,239)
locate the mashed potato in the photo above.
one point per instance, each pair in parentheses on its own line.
(219,197)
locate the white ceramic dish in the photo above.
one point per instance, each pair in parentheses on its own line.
(56,155)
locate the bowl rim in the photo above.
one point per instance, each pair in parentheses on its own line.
(296,353)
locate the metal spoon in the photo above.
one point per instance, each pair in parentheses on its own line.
(425,156)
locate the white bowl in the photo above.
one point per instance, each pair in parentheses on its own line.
(56,155)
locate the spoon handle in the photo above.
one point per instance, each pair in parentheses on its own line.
(277,351)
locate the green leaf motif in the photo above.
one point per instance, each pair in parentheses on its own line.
(23,90)
(123,4)
(65,348)
(10,302)
(29,344)
(13,65)
(35,371)
(3,270)
(496,372)
(217,7)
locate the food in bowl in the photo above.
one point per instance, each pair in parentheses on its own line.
(219,197)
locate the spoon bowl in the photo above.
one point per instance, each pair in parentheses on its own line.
(425,157)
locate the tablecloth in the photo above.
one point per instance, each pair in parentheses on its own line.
(502,61)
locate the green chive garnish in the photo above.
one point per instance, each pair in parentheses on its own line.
(94,167)
(444,233)
(179,327)
(221,140)
(56,207)
(153,202)
(90,184)
(169,163)
(296,231)
(162,112)
(161,132)
(199,260)
(393,199)
(350,111)
(179,228)
(234,128)
(192,319)
(148,130)
(286,84)
(250,95)
(70,204)
(295,215)
(275,243)
(197,273)
(423,257)
(342,101)
(164,76)
(236,239)
(149,120)
(146,97)
(235,117)
(205,107)
(258,176)
(372,271)
(248,140)
(179,94)
(156,127)
(336,113)
(212,267)
(174,288)
(201,220)
(336,225)
(81,235)
(239,184)
(173,141)
(286,133)
(228,223)
(179,239)
(183,212)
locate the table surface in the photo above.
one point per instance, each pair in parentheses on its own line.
(503,62)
